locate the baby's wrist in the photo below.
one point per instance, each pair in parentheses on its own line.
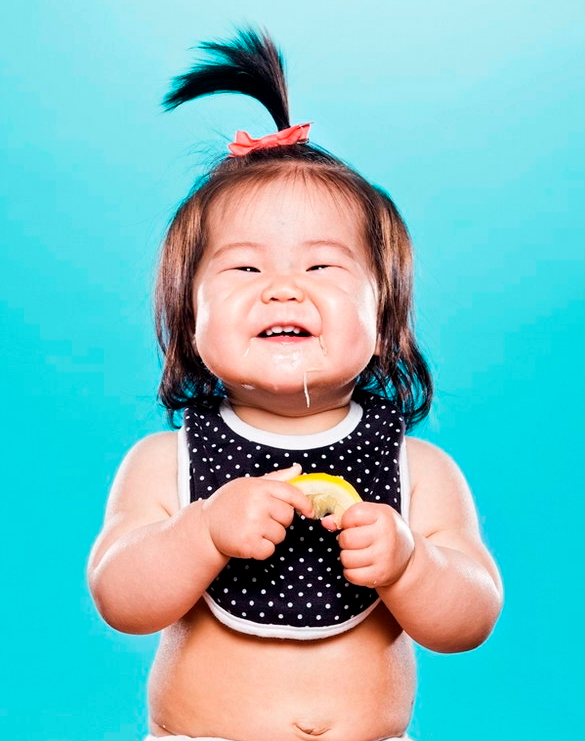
(408,560)
(205,530)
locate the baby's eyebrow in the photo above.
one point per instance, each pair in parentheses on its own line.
(235,247)
(260,248)
(331,243)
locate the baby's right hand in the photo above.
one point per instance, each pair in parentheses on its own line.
(248,516)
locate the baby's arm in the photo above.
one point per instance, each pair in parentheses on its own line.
(153,561)
(434,574)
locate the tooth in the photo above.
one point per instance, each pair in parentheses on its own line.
(282,329)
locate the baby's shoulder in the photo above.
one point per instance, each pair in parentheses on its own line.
(422,453)
(148,471)
(151,452)
(158,444)
(441,498)
(428,462)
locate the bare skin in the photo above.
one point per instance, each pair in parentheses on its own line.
(208,680)
(287,256)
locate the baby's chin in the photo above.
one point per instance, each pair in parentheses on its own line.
(295,399)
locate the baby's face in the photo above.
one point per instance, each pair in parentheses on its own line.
(285,301)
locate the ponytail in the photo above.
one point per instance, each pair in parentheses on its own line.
(250,64)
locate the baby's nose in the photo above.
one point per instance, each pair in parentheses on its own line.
(282,288)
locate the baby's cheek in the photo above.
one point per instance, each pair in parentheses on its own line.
(362,330)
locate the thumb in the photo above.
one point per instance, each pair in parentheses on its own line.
(330,523)
(285,474)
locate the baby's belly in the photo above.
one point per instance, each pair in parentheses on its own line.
(208,680)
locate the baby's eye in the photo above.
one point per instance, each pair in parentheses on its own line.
(247,269)
(318,267)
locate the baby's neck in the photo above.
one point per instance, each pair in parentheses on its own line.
(282,424)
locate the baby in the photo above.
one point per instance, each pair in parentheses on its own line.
(284,314)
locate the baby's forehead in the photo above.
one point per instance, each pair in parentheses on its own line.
(260,197)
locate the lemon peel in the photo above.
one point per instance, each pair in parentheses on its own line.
(330,495)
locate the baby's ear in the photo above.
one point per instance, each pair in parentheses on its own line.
(378,348)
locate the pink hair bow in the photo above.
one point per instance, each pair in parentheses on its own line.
(244,143)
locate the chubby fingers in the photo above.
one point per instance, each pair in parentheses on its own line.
(330,523)
(295,497)
(377,552)
(357,538)
(367,523)
(289,494)
(364,557)
(357,515)
(360,514)
(284,474)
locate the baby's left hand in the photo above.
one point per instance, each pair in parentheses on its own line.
(376,544)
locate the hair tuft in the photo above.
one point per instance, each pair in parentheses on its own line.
(250,64)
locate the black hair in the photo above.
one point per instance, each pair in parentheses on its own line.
(252,65)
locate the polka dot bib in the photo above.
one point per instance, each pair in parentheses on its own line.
(300,591)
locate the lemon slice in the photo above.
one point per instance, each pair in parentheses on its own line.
(330,495)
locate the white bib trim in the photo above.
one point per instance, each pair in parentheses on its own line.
(307,633)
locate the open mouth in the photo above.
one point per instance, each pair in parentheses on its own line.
(285,331)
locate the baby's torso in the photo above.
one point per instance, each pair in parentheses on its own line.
(209,680)
(221,672)
(300,591)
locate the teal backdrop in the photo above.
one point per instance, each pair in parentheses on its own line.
(472,115)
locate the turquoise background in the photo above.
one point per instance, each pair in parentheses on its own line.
(472,115)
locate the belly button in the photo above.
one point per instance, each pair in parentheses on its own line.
(310,731)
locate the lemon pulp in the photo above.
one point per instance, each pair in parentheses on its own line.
(330,495)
